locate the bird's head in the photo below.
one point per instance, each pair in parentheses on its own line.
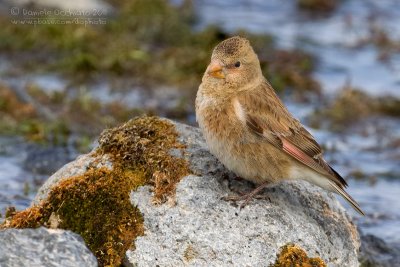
(234,64)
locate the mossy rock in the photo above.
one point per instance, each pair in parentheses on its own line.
(96,203)
(151,194)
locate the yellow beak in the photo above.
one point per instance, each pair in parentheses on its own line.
(215,70)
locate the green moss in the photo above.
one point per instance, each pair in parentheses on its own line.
(294,256)
(103,214)
(143,145)
(97,204)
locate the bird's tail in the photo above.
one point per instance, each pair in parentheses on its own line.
(346,196)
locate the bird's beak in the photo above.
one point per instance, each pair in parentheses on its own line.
(215,69)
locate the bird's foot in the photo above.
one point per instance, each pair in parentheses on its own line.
(247,197)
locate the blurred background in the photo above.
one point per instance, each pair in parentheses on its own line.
(69,69)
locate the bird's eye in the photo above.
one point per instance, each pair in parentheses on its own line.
(237,64)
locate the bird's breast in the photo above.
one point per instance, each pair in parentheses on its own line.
(224,133)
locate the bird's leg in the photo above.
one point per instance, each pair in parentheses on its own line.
(246,198)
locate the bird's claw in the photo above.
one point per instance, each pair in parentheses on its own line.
(247,197)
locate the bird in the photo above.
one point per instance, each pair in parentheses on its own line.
(251,132)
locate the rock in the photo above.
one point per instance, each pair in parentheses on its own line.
(216,233)
(195,226)
(200,228)
(43,247)
(377,253)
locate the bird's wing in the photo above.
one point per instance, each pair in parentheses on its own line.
(267,117)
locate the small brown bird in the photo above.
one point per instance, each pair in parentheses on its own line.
(247,127)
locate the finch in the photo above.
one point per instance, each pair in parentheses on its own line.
(247,127)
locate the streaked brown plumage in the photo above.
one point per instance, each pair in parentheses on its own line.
(248,128)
